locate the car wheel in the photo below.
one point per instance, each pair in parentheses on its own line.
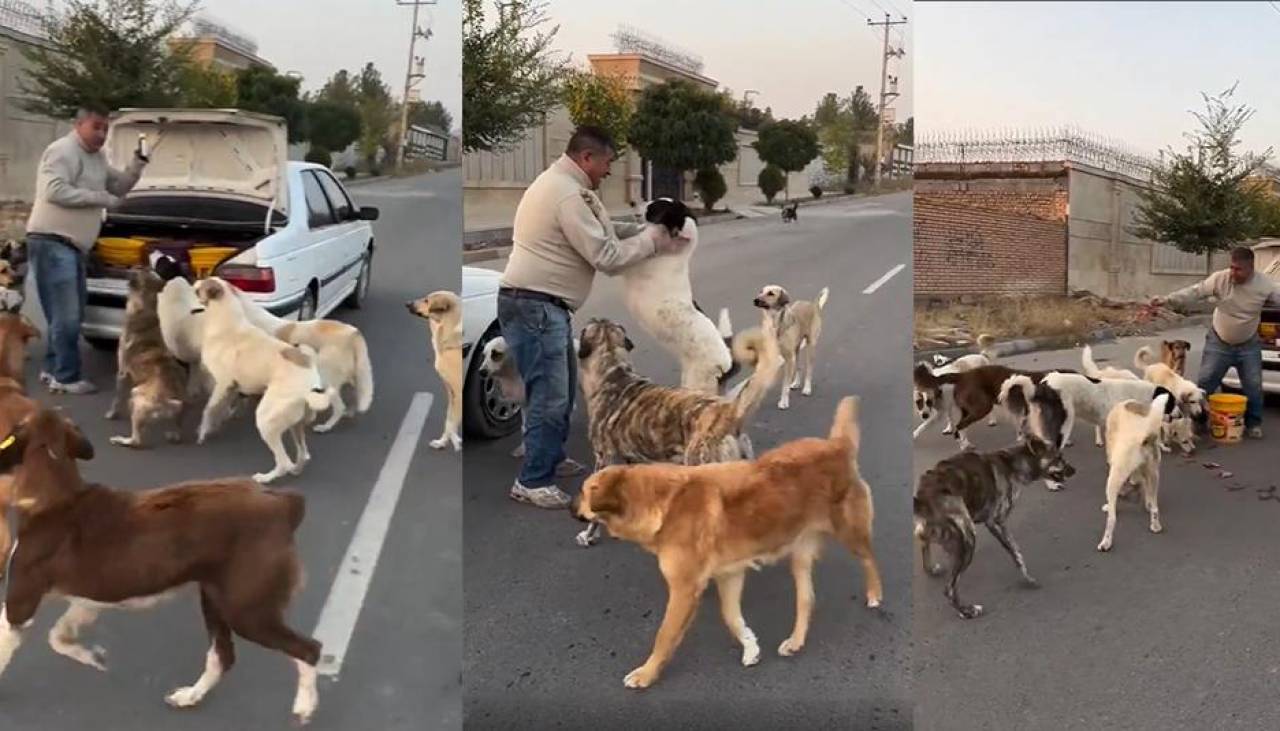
(307,310)
(485,413)
(106,345)
(356,299)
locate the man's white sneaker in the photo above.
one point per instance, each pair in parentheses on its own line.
(549,497)
(78,388)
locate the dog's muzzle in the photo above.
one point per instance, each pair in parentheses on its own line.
(759,302)
(574,504)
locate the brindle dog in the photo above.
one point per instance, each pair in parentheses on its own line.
(975,488)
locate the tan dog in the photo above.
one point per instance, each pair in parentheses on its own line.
(443,312)
(16,332)
(1190,398)
(240,357)
(1173,353)
(713,522)
(150,381)
(799,323)
(1133,459)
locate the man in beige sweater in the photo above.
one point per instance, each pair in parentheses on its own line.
(75,184)
(1232,340)
(562,237)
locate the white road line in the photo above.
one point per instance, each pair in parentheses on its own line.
(880,282)
(346,597)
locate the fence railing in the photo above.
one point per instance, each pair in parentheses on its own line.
(22,17)
(1061,144)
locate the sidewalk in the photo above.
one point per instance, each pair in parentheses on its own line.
(1057,342)
(485,244)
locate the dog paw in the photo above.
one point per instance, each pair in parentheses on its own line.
(183,697)
(750,653)
(1053,486)
(438,443)
(949,430)
(783,405)
(123,441)
(873,602)
(322,428)
(789,647)
(111,415)
(934,570)
(1155,526)
(807,390)
(174,437)
(970,612)
(1105,545)
(1030,582)
(585,538)
(641,677)
(266,477)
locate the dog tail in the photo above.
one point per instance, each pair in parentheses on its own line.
(364,374)
(845,426)
(768,364)
(1089,367)
(1155,417)
(725,326)
(987,346)
(822,298)
(1144,357)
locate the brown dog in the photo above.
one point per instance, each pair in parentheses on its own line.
(1173,353)
(716,521)
(16,332)
(443,310)
(103,548)
(150,381)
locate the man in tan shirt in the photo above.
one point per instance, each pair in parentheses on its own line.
(75,184)
(1232,340)
(562,237)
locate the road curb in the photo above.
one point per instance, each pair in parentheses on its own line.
(1023,346)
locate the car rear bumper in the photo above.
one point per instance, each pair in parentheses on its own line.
(104,308)
(1270,374)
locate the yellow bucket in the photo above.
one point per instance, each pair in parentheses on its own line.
(1226,417)
(204,259)
(121,252)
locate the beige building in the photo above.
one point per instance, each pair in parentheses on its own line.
(494,181)
(213,44)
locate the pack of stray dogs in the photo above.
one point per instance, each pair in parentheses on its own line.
(675,470)
(232,538)
(1137,417)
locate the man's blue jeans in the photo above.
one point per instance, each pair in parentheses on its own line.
(540,337)
(60,282)
(1219,357)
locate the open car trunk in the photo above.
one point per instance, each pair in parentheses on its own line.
(215,179)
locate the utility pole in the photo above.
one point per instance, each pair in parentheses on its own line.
(411,75)
(885,94)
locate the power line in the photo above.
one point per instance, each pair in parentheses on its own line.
(885,93)
(866,17)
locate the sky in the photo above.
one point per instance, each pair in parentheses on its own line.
(791,52)
(318,37)
(1129,71)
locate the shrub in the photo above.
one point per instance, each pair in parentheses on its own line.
(771,182)
(850,188)
(319,155)
(815,191)
(710,184)
(351,172)
(375,171)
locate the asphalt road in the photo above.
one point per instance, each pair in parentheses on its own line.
(402,667)
(1172,631)
(551,628)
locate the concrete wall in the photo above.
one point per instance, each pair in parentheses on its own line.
(1105,258)
(23,136)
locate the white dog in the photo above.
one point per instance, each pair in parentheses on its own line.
(1079,397)
(1133,431)
(500,366)
(658,294)
(342,355)
(242,358)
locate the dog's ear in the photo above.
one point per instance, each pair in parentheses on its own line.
(783,298)
(626,343)
(607,497)
(77,444)
(12,448)
(918,506)
(584,347)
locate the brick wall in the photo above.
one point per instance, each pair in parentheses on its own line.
(985,241)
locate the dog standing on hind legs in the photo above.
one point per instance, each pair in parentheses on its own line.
(798,324)
(443,312)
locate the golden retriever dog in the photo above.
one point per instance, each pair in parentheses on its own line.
(799,324)
(716,521)
(150,382)
(443,312)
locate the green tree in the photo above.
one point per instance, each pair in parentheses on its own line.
(207,88)
(377,112)
(431,114)
(1203,200)
(680,126)
(787,145)
(844,125)
(260,89)
(340,89)
(907,132)
(110,52)
(601,101)
(747,115)
(331,125)
(709,183)
(511,76)
(771,181)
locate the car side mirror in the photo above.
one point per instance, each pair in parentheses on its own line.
(368,213)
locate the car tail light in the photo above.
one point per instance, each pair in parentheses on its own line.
(249,278)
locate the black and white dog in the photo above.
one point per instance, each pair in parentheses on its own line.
(791,213)
(970,488)
(13,275)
